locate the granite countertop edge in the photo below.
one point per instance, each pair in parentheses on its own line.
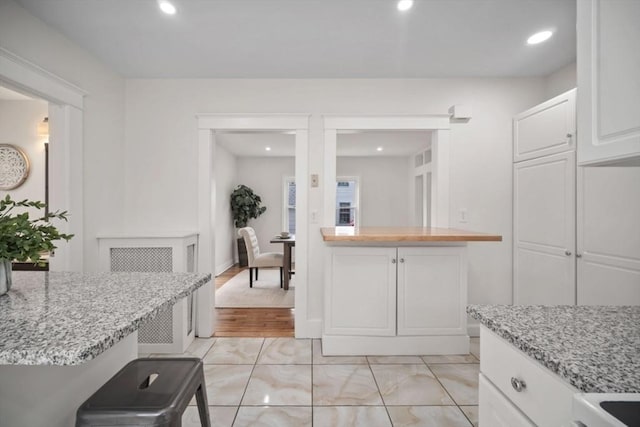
(567,370)
(44,358)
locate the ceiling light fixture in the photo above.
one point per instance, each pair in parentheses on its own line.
(167,7)
(379,149)
(267,148)
(539,37)
(405,5)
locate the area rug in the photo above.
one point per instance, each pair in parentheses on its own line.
(266,292)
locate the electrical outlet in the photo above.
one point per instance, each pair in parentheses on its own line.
(315,180)
(463,215)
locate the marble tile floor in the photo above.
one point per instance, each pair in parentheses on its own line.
(283,382)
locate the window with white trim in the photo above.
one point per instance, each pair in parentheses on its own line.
(347,194)
(289,206)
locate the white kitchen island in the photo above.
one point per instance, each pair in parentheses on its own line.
(63,335)
(396,290)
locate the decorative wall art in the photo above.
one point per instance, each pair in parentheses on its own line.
(14,167)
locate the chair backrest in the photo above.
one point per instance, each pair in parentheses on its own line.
(251,242)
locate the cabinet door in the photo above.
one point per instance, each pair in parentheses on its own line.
(545,129)
(544,230)
(496,410)
(432,290)
(609,236)
(360,298)
(608,70)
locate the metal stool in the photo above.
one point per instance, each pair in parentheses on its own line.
(148,392)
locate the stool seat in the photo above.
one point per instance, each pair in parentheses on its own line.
(148,392)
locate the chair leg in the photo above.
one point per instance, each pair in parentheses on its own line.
(257,273)
(250,277)
(203,409)
(281,275)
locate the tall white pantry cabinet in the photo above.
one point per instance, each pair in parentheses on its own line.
(544,210)
(576,229)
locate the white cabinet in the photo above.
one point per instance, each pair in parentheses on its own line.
(545,129)
(609,236)
(542,396)
(544,218)
(396,300)
(608,69)
(544,211)
(496,410)
(431,291)
(364,301)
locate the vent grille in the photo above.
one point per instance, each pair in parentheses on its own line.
(159,330)
(152,260)
(191,258)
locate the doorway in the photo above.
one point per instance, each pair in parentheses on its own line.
(65,112)
(264,163)
(211,127)
(422,141)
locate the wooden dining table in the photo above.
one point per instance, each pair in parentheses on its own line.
(287,243)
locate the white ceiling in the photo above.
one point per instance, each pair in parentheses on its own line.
(318,38)
(282,144)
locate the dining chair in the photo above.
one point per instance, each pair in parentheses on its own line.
(257,259)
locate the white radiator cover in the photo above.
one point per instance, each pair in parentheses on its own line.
(172,330)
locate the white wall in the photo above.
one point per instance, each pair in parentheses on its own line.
(265,175)
(561,81)
(226,177)
(161,135)
(384,197)
(18,127)
(33,40)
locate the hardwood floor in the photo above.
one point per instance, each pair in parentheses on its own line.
(251,322)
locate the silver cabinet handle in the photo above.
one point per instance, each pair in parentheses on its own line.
(567,252)
(578,255)
(517,384)
(569,135)
(401,259)
(393,261)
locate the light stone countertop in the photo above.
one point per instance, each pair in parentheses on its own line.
(62,318)
(594,348)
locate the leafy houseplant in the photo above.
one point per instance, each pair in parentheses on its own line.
(22,238)
(245,205)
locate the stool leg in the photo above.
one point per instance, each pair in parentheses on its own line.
(203,406)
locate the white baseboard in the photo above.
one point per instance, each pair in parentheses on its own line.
(224,267)
(337,345)
(310,328)
(473,329)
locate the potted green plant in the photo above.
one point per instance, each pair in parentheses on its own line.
(23,238)
(245,206)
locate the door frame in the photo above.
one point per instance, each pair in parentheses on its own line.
(66,116)
(208,124)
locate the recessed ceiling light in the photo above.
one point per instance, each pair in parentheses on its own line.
(405,5)
(267,148)
(379,149)
(167,7)
(539,37)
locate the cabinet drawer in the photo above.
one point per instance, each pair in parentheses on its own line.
(496,410)
(546,399)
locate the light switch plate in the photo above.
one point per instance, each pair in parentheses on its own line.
(314,180)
